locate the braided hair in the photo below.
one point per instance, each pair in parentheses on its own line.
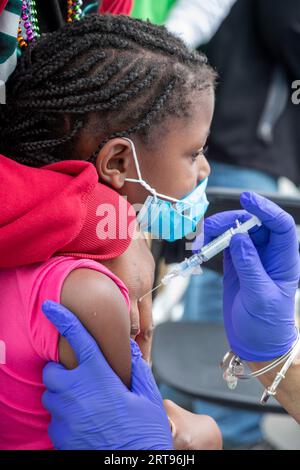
(111,75)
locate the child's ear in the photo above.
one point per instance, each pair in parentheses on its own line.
(114,161)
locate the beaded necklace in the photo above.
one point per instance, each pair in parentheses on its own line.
(29,20)
(74,10)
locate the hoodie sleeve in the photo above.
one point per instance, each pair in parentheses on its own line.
(116,7)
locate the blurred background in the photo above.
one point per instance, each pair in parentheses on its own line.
(254,145)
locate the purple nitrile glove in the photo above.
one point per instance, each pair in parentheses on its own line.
(91,408)
(261,275)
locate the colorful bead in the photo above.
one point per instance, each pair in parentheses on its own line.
(74,10)
(29,19)
(30,23)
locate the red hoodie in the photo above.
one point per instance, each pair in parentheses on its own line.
(121,7)
(54,209)
(57,209)
(107,6)
(2,5)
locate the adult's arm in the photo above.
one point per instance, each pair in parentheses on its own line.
(288,392)
(261,275)
(196,21)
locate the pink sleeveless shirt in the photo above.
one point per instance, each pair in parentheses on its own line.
(27,342)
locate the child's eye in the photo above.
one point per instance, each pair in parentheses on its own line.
(199,153)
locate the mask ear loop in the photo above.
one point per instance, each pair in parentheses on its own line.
(140,178)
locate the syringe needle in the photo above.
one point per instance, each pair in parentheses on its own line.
(150,292)
(192,265)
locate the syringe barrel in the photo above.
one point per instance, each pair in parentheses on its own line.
(223,241)
(210,250)
(216,246)
(246,226)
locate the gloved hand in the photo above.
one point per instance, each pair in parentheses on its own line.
(261,274)
(91,408)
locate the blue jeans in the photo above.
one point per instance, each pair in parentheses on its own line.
(238,427)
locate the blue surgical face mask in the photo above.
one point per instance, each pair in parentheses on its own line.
(169,218)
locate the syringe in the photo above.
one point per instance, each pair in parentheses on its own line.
(207,252)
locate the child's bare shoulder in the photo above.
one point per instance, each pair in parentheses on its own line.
(99,304)
(89,290)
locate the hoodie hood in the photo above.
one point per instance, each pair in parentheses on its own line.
(59,209)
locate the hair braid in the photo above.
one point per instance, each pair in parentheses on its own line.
(124,74)
(141,125)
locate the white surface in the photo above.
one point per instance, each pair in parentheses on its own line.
(282,432)
(196,21)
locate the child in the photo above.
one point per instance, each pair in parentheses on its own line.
(79,94)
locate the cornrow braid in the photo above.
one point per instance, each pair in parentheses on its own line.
(141,125)
(123,74)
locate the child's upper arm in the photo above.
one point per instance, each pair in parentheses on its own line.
(98,303)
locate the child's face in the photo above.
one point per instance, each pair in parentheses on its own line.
(169,163)
(174,165)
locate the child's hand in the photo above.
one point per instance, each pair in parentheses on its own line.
(191,431)
(135,268)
